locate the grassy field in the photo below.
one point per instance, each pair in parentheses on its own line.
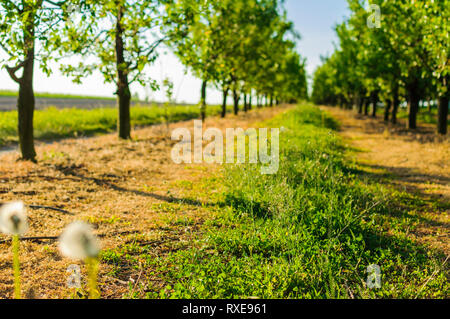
(424,116)
(7,93)
(310,231)
(59,123)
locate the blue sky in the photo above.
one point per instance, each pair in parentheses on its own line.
(313,19)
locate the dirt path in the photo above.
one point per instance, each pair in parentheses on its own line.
(418,163)
(127,189)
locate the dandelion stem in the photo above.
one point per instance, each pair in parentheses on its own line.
(92,264)
(16,264)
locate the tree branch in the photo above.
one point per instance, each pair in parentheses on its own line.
(9,2)
(56,4)
(6,49)
(12,71)
(150,51)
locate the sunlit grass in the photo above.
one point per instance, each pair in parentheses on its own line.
(309,231)
(8,93)
(58,123)
(424,115)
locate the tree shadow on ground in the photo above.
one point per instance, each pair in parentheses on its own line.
(411,202)
(410,175)
(424,133)
(74,172)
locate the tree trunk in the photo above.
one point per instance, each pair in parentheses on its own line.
(271,100)
(245,103)
(443,114)
(26,100)
(360,105)
(26,106)
(224,102)
(124,100)
(351,103)
(443,108)
(413,105)
(387,109)
(236,99)
(123,86)
(366,106)
(395,104)
(250,102)
(374,104)
(203,101)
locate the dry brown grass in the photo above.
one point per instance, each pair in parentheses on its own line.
(119,186)
(418,163)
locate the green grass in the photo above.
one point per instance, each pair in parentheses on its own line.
(7,93)
(424,116)
(309,231)
(59,123)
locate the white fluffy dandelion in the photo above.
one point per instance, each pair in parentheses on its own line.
(13,218)
(13,221)
(79,242)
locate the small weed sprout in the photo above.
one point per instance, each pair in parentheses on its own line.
(79,242)
(13,221)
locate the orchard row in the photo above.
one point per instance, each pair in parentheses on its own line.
(243,47)
(394,52)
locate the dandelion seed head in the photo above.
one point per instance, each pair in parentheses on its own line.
(13,218)
(79,242)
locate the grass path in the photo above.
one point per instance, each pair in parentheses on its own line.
(415,162)
(309,231)
(181,231)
